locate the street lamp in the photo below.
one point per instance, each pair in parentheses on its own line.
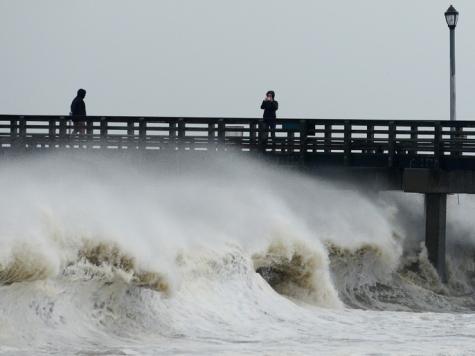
(452,16)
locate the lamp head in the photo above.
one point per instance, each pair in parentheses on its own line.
(452,17)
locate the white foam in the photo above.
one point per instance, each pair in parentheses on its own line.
(200,229)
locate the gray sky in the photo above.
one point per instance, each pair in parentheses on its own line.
(328,59)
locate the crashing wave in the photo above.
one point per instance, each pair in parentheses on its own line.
(296,270)
(366,280)
(25,264)
(109,255)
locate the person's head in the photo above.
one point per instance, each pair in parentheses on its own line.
(82,93)
(271,94)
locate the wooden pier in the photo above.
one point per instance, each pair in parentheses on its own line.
(401,143)
(434,158)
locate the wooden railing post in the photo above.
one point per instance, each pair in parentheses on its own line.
(370,144)
(172,140)
(62,131)
(52,131)
(291,140)
(413,144)
(437,144)
(13,133)
(13,128)
(22,132)
(347,143)
(89,129)
(103,131)
(303,139)
(130,132)
(272,135)
(22,127)
(391,143)
(458,141)
(181,128)
(142,133)
(130,128)
(221,133)
(327,138)
(211,137)
(262,135)
(252,136)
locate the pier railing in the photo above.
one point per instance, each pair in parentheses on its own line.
(348,138)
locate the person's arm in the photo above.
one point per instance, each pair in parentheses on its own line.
(263,106)
(73,108)
(83,108)
(276,105)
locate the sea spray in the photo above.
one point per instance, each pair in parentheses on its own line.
(112,249)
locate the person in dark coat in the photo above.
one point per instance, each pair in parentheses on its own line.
(270,107)
(78,112)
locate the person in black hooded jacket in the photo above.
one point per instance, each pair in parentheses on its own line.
(270,107)
(78,112)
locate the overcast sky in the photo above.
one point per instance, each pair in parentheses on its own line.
(324,59)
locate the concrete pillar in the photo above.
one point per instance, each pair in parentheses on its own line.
(436,215)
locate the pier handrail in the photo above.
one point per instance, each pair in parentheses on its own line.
(347,138)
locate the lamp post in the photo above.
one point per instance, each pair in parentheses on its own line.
(451,16)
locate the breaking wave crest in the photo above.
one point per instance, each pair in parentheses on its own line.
(23,265)
(111,257)
(295,270)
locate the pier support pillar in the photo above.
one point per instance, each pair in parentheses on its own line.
(436,216)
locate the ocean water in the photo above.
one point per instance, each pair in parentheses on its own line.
(107,255)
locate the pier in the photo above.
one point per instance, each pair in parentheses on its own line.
(434,158)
